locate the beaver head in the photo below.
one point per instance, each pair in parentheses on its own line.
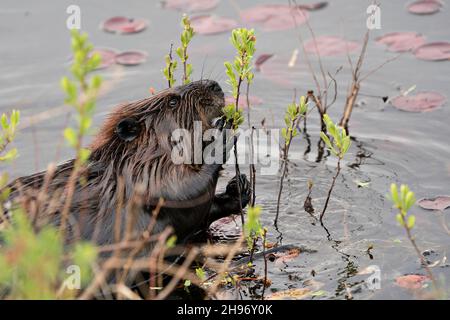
(131,160)
(171,109)
(136,139)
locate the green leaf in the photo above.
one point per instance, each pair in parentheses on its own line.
(200,273)
(326,140)
(84,154)
(284,133)
(10,155)
(399,218)
(71,136)
(4,121)
(394,194)
(171,242)
(410,200)
(411,221)
(346,145)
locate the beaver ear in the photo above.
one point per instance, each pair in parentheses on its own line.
(128,129)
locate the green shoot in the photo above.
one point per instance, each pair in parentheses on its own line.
(81,95)
(200,272)
(341,141)
(243,40)
(403,201)
(8,133)
(186,37)
(292,117)
(252,228)
(169,70)
(239,70)
(338,147)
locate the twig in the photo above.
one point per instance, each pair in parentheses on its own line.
(178,275)
(265,263)
(338,170)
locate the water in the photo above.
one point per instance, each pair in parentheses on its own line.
(401,147)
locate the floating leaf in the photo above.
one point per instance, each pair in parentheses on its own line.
(228,228)
(124,25)
(438,203)
(421,102)
(434,51)
(254,101)
(208,24)
(424,7)
(411,281)
(190,5)
(275,16)
(330,46)
(131,58)
(401,41)
(284,257)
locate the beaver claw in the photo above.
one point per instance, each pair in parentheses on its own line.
(233,191)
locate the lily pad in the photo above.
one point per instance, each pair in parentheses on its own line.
(208,24)
(227,228)
(401,41)
(437,203)
(421,102)
(124,25)
(190,5)
(424,7)
(284,257)
(411,281)
(330,46)
(274,17)
(434,51)
(131,58)
(254,101)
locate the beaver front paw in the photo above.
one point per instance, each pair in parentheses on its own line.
(232,189)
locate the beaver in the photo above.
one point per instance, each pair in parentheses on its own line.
(130,162)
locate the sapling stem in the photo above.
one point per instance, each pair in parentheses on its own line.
(293,115)
(239,71)
(182,51)
(338,147)
(169,70)
(81,94)
(403,200)
(338,170)
(264,236)
(252,169)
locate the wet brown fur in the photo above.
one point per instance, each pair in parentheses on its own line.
(145,166)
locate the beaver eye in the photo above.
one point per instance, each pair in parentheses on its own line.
(174,101)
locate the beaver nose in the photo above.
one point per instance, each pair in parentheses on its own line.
(214,87)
